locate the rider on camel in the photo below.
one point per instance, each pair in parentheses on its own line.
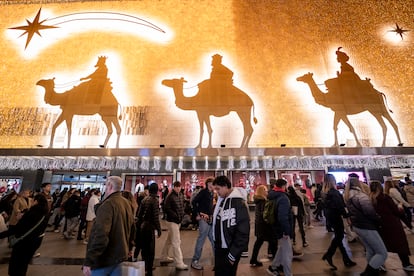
(96,82)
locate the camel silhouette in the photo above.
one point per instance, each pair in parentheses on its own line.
(208,103)
(77,101)
(344,104)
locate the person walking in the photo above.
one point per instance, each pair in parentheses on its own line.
(231,226)
(112,235)
(298,211)
(335,211)
(391,231)
(282,229)
(174,210)
(72,211)
(149,223)
(365,221)
(203,210)
(33,224)
(262,230)
(90,213)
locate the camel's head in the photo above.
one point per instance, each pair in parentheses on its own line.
(174,83)
(46,83)
(305,78)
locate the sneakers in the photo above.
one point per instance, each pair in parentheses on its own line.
(272,271)
(36,255)
(167,260)
(196,265)
(182,267)
(409,267)
(305,244)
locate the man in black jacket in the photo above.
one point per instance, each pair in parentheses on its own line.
(174,209)
(231,227)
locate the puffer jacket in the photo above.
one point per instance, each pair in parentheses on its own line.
(234,224)
(112,234)
(361,210)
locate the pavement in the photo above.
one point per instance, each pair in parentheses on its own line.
(64,257)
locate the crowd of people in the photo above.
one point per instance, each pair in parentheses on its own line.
(118,226)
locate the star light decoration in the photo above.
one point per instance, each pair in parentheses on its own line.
(399,31)
(33,27)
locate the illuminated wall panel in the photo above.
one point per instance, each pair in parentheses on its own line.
(264,46)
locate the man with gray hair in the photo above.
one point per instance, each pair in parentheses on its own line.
(111,239)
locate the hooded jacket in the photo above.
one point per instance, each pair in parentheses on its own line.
(234,224)
(283,225)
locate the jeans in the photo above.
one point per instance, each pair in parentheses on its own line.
(284,256)
(113,270)
(376,252)
(205,231)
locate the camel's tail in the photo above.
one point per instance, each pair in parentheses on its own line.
(254,117)
(120,111)
(386,102)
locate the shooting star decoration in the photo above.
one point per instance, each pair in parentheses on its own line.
(35,26)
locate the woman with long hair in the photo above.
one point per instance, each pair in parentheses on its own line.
(335,210)
(365,221)
(34,221)
(262,230)
(391,189)
(391,231)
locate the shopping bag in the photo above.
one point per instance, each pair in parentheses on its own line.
(133,268)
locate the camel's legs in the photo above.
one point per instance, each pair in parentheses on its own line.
(351,128)
(209,130)
(69,127)
(245,118)
(59,120)
(383,126)
(108,123)
(114,121)
(335,129)
(387,116)
(201,126)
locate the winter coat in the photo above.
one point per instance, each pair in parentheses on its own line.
(30,218)
(20,204)
(391,231)
(174,207)
(283,226)
(232,230)
(148,214)
(112,234)
(361,211)
(262,230)
(72,206)
(203,202)
(335,206)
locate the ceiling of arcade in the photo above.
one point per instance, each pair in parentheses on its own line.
(241,78)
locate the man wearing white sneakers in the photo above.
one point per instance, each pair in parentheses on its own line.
(174,209)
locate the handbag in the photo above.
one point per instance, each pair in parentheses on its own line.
(133,268)
(13,240)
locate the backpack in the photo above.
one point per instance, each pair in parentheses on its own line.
(269,211)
